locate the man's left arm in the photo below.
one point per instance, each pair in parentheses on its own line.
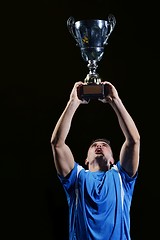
(129,154)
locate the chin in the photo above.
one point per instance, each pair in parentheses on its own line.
(100,155)
(101,158)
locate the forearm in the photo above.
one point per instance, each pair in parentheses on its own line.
(126,122)
(64,123)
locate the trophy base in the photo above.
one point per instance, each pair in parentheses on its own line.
(92,91)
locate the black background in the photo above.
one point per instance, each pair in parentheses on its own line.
(40,62)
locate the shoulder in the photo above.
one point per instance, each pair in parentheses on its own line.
(123,173)
(73,173)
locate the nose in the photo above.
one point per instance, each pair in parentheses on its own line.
(98,146)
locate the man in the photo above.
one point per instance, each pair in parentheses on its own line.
(99,198)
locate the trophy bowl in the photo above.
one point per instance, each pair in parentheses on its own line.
(91,36)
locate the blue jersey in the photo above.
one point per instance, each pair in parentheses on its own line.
(99,203)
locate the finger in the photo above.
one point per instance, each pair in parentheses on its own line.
(85,101)
(79,83)
(102,100)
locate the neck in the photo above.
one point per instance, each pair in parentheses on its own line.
(93,167)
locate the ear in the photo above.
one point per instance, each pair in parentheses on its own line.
(86,161)
(111,161)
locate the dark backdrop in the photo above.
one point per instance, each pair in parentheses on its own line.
(40,63)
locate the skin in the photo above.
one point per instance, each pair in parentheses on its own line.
(99,157)
(96,159)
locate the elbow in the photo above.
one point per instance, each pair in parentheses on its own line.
(56,142)
(53,141)
(134,140)
(137,139)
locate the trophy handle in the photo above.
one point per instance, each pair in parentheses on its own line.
(70,25)
(112,23)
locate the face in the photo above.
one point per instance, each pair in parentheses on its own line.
(101,153)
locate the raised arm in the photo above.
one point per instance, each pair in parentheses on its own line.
(63,157)
(129,154)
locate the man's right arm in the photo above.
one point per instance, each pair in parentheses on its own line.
(63,157)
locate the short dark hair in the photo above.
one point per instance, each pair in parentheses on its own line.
(101,140)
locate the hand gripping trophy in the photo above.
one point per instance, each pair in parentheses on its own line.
(91,36)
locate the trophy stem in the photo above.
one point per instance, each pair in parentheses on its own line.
(92,76)
(92,66)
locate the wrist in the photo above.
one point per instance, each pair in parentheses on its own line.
(116,101)
(73,103)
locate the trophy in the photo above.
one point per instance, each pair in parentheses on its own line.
(91,36)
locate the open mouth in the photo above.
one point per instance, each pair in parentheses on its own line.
(98,151)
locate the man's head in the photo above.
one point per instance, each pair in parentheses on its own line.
(99,156)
